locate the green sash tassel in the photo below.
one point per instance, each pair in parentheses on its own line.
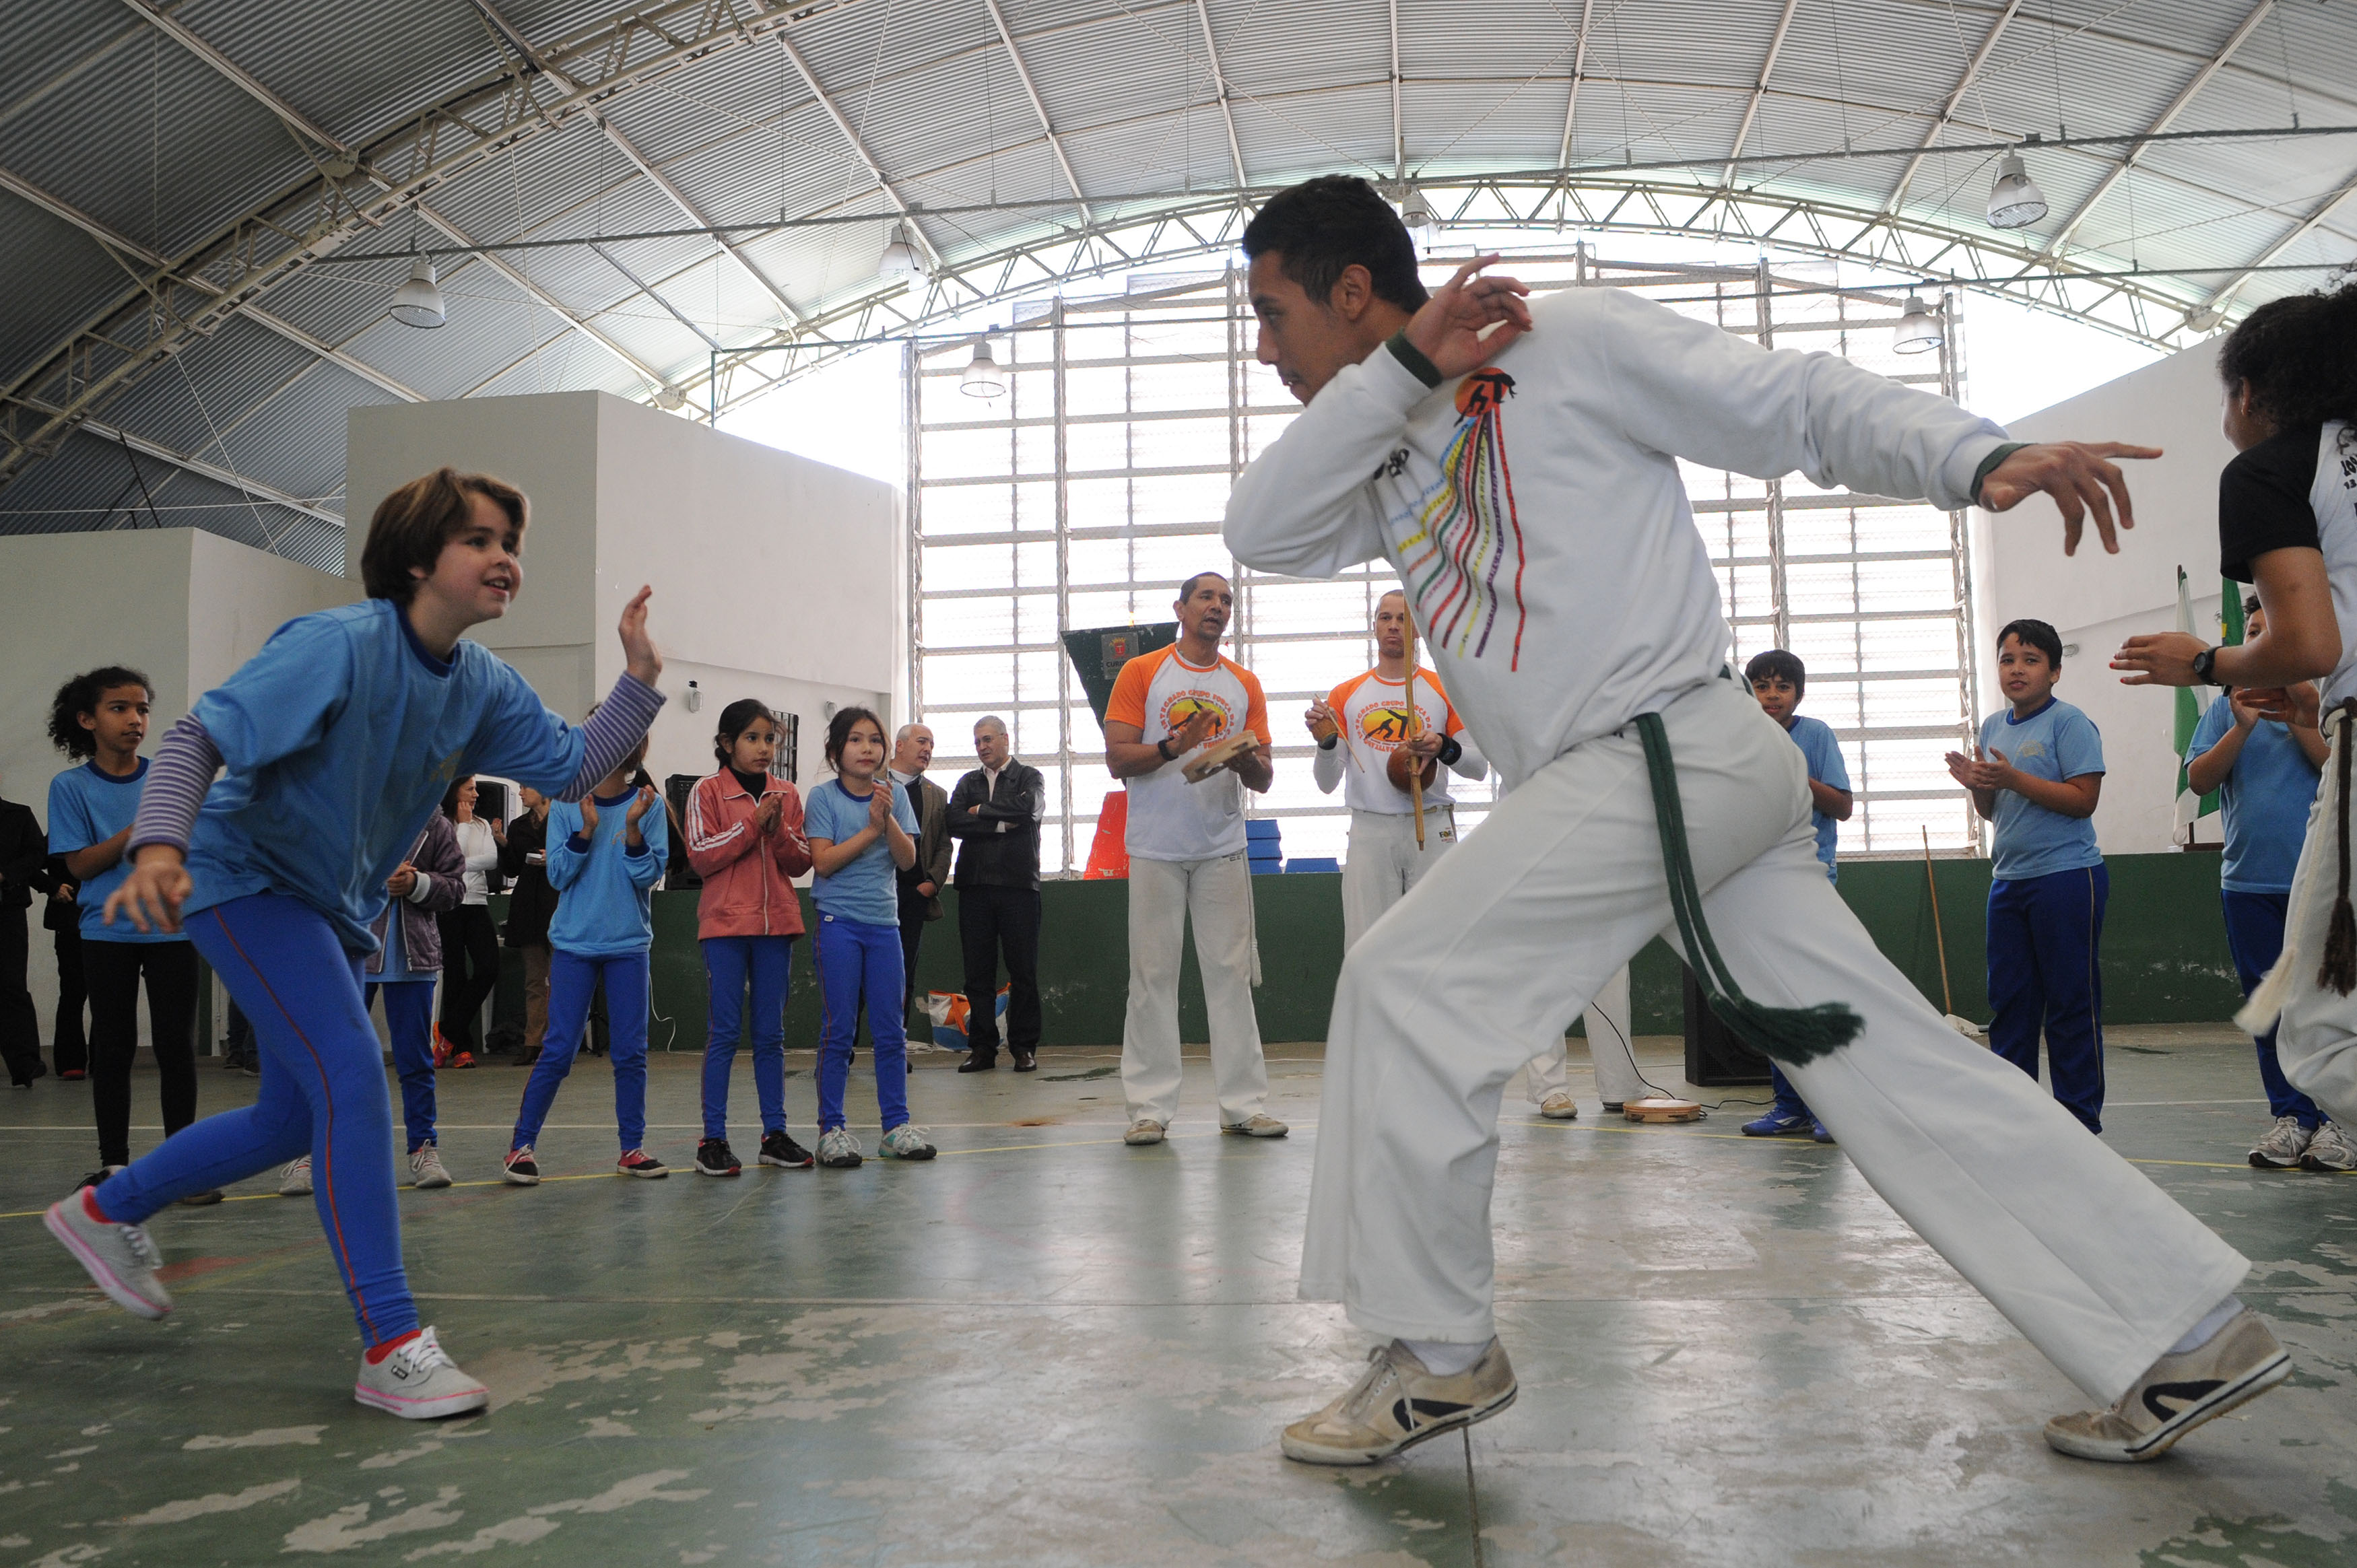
(1788,1035)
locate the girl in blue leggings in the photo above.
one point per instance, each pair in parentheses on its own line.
(339,738)
(860,828)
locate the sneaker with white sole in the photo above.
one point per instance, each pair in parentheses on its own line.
(780,1150)
(1398,1403)
(640,1163)
(121,1259)
(520,1169)
(1256,1125)
(1145,1130)
(417,1381)
(837,1149)
(425,1167)
(2283,1145)
(1559,1108)
(2238,1363)
(2331,1150)
(906,1142)
(294,1181)
(714,1158)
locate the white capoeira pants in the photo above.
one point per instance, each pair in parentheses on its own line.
(1517,929)
(1218,893)
(1609,1043)
(2317,1044)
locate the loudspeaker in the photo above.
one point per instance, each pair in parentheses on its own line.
(1715,1057)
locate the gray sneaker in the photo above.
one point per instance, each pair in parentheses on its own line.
(418,1381)
(294,1181)
(1145,1130)
(1397,1403)
(426,1169)
(120,1259)
(2331,1150)
(2282,1146)
(2178,1394)
(1559,1107)
(1257,1125)
(837,1149)
(906,1142)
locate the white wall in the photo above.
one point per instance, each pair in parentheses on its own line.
(2096,599)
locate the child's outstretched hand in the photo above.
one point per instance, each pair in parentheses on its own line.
(639,653)
(151,896)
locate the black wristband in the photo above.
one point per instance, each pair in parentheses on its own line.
(1451,751)
(1989,463)
(1162,748)
(1409,355)
(2205,666)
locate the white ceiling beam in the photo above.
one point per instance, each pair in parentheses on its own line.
(1220,82)
(253,489)
(1948,110)
(1758,91)
(1399,134)
(66,75)
(580,324)
(859,148)
(2224,296)
(2177,105)
(1039,107)
(1579,70)
(163,21)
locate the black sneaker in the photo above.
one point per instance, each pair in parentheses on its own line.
(778,1149)
(39,1069)
(96,1177)
(714,1158)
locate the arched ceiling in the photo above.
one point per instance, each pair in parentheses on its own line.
(205,205)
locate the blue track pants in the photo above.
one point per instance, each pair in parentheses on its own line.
(729,962)
(2044,975)
(409,1018)
(857,961)
(322,1094)
(571,980)
(2255,935)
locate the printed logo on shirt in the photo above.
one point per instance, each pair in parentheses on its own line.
(1182,706)
(1383,725)
(449,768)
(1462,559)
(2031,749)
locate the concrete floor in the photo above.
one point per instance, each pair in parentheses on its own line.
(1047,1348)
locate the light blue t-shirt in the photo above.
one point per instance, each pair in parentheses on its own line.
(602,884)
(87,807)
(867,890)
(1823,752)
(2057,742)
(2264,798)
(339,738)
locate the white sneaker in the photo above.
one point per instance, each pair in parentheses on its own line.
(1145,1130)
(1559,1107)
(2282,1146)
(2331,1150)
(120,1259)
(1257,1126)
(2177,1394)
(1398,1402)
(294,1181)
(418,1382)
(837,1149)
(906,1142)
(425,1167)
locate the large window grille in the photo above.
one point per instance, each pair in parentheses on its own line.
(1096,482)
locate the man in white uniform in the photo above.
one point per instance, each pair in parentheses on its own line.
(1517,464)
(1360,727)
(1186,848)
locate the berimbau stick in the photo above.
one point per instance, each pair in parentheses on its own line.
(1415,768)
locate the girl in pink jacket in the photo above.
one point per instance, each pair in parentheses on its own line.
(745,839)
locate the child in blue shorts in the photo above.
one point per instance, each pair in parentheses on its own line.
(860,828)
(604,856)
(339,738)
(2038,773)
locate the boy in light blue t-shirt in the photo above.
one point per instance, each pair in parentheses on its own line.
(2038,773)
(1778,681)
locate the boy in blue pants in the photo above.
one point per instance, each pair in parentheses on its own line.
(1778,680)
(2264,764)
(2038,773)
(605,855)
(339,738)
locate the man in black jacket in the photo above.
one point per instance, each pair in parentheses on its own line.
(23,846)
(921,884)
(994,812)
(523,859)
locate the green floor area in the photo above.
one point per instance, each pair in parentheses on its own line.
(1047,1348)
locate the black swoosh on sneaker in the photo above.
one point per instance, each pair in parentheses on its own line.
(2184,1394)
(1436,1409)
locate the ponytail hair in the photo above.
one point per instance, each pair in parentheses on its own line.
(734,720)
(2299,355)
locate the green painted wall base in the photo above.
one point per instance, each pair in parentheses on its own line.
(2164,953)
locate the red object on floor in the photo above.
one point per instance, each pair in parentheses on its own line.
(72,1075)
(1109,853)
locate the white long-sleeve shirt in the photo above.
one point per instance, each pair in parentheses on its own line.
(1534,510)
(1370,714)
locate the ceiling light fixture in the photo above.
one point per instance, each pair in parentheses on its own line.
(418,301)
(982,377)
(899,259)
(2014,201)
(1417,214)
(1919,330)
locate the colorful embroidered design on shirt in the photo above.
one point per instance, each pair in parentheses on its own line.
(1465,528)
(1185,706)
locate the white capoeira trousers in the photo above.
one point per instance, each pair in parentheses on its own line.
(1384,863)
(1609,1047)
(1521,923)
(2317,1044)
(1218,893)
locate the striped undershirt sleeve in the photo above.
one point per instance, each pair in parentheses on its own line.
(613,732)
(175,790)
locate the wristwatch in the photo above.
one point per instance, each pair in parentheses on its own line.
(2204,663)
(1162,748)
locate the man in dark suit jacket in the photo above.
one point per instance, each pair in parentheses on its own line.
(921,885)
(994,812)
(23,847)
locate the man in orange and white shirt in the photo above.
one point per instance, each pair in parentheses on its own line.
(1186,848)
